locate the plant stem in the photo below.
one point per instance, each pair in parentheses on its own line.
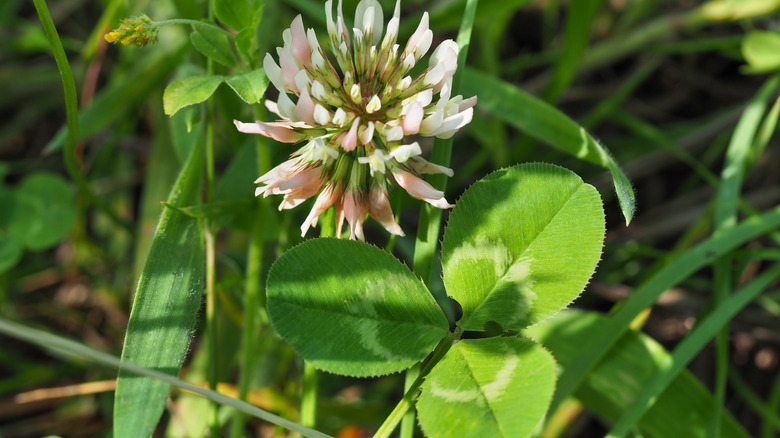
(72,114)
(195,23)
(309,400)
(212,333)
(429,225)
(211,326)
(410,395)
(254,310)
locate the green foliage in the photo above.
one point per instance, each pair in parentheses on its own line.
(498,387)
(761,50)
(681,408)
(352,309)
(238,14)
(510,254)
(213,44)
(250,85)
(164,310)
(189,91)
(520,246)
(38,213)
(545,123)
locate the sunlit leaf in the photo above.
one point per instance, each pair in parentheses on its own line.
(495,387)
(189,91)
(521,244)
(351,308)
(164,311)
(761,50)
(682,410)
(250,86)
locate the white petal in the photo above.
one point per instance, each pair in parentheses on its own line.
(273,71)
(321,115)
(451,124)
(404,152)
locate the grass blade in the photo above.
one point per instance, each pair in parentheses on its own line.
(645,295)
(164,309)
(725,217)
(578,24)
(545,123)
(688,348)
(61,345)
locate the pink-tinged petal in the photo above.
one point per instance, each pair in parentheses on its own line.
(419,189)
(306,177)
(276,176)
(279,131)
(344,31)
(451,124)
(367,133)
(298,196)
(274,108)
(339,218)
(304,109)
(327,198)
(421,165)
(467,103)
(379,209)
(279,173)
(355,212)
(350,140)
(300,44)
(412,119)
(289,69)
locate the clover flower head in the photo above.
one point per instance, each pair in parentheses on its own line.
(138,31)
(352,109)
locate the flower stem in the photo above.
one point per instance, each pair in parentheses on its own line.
(427,241)
(212,332)
(255,316)
(309,401)
(72,114)
(195,23)
(211,325)
(410,395)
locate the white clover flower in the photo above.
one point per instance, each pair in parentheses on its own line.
(354,109)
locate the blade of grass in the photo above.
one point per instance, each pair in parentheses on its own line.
(725,217)
(689,348)
(79,351)
(645,295)
(545,123)
(682,410)
(164,309)
(610,106)
(753,400)
(124,93)
(771,424)
(579,19)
